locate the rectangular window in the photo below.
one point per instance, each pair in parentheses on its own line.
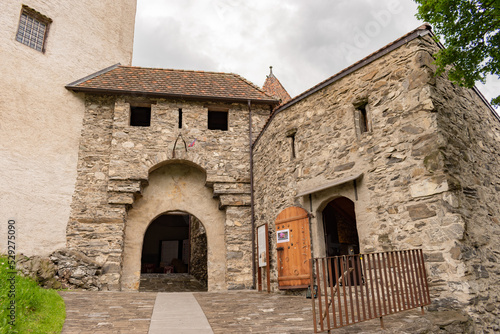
(140,116)
(363,120)
(217,120)
(291,135)
(33,28)
(180,118)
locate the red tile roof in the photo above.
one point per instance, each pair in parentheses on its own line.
(172,83)
(273,87)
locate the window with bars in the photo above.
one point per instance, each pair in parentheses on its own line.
(33,28)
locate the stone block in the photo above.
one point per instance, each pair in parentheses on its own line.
(420,211)
(429,186)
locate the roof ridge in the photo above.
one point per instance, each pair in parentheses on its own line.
(174,69)
(248,82)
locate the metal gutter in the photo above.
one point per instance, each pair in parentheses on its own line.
(252,209)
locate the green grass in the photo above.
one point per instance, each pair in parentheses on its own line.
(38,310)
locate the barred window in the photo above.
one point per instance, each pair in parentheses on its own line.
(33,28)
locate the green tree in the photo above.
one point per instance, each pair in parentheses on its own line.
(471,33)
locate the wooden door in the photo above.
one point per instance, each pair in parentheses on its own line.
(293,245)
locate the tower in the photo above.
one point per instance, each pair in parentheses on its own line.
(45,46)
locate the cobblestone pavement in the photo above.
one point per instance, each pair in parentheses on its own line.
(107,312)
(258,312)
(234,312)
(170,283)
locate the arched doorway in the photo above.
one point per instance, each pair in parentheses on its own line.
(174,254)
(175,188)
(339,226)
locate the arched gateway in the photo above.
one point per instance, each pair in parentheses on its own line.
(175,188)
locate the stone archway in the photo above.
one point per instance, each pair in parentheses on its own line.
(172,188)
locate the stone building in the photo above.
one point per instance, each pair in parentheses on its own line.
(386,156)
(46,45)
(145,169)
(160,143)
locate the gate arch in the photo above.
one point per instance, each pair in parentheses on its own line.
(172,188)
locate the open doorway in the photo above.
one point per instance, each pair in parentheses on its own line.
(341,234)
(339,224)
(174,254)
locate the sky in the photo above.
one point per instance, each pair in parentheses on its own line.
(306,41)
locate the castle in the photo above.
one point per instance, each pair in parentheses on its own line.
(147,166)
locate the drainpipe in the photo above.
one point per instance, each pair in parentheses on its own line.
(252,218)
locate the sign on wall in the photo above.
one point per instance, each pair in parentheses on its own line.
(261,242)
(283,236)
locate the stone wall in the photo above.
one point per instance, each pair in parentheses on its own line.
(470,154)
(426,181)
(116,160)
(198,262)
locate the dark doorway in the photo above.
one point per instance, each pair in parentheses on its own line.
(339,223)
(174,254)
(341,238)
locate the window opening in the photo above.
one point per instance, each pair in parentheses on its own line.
(140,116)
(33,28)
(217,120)
(291,134)
(363,120)
(180,118)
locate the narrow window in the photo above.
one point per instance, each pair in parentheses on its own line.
(140,116)
(363,120)
(217,120)
(180,118)
(33,28)
(291,135)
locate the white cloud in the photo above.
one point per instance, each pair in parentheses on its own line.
(305,41)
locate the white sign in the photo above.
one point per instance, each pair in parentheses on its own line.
(283,236)
(261,242)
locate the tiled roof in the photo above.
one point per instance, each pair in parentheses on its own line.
(172,83)
(272,86)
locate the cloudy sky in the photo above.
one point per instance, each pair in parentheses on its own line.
(306,41)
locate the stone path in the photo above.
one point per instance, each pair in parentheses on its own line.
(227,312)
(107,312)
(178,313)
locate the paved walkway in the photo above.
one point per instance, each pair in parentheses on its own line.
(178,312)
(227,312)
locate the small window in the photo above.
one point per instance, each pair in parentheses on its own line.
(291,135)
(363,120)
(140,116)
(180,118)
(217,120)
(33,28)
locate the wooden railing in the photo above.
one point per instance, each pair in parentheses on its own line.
(356,288)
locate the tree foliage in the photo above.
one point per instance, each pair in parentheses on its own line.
(471,33)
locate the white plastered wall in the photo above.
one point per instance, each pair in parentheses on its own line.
(40,120)
(175,187)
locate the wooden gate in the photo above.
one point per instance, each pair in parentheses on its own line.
(293,245)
